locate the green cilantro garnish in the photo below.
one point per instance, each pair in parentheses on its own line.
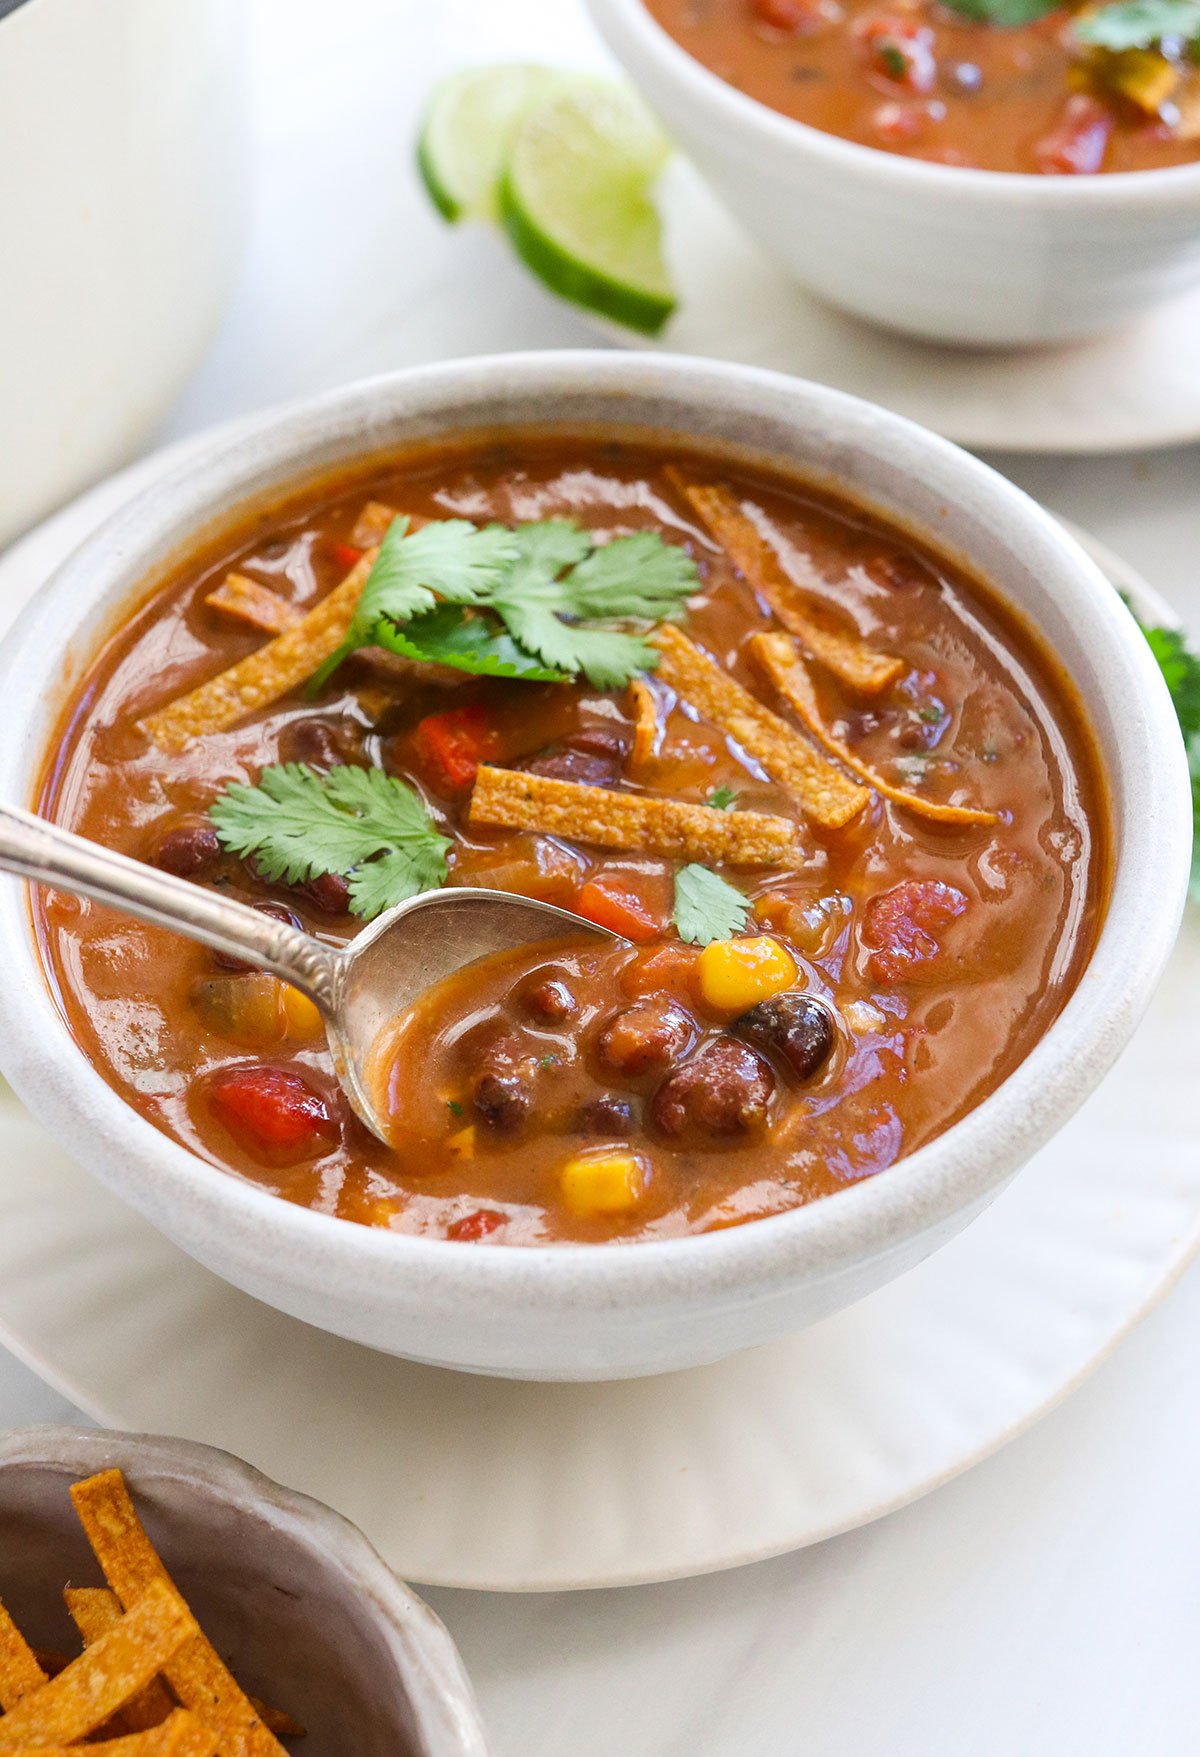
(1008,14)
(454,1107)
(722,798)
(538,602)
(1180,667)
(706,907)
(1139,24)
(893,60)
(460,637)
(361,823)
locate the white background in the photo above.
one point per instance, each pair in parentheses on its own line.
(1047,1604)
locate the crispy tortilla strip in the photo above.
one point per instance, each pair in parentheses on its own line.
(131,1564)
(516,800)
(94,1611)
(846,655)
(264,676)
(181,1736)
(250,602)
(102,1680)
(20,1673)
(824,793)
(373,524)
(647,732)
(776,656)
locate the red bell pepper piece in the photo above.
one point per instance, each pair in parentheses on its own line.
(451,746)
(344,554)
(622,911)
(273,1112)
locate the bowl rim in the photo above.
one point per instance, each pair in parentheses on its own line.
(755,130)
(954,1174)
(440,1693)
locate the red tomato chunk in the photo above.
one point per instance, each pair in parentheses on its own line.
(901,49)
(1076,147)
(475,1226)
(273,1112)
(901,925)
(451,746)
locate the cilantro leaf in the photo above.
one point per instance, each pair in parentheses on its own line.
(1180,667)
(607,657)
(358,822)
(721,798)
(1139,24)
(638,576)
(454,635)
(1008,14)
(706,907)
(450,559)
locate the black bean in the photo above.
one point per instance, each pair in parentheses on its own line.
(650,1035)
(320,742)
(330,893)
(796,1027)
(189,850)
(551,1000)
(503,1100)
(724,1090)
(606,1115)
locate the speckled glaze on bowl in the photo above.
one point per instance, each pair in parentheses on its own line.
(289,1591)
(610,1311)
(948,254)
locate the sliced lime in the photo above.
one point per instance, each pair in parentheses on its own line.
(575,198)
(466,131)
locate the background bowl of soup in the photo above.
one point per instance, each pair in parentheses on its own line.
(575,1309)
(943,251)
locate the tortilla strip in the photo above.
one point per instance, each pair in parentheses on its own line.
(105,1677)
(20,1673)
(181,1736)
(846,655)
(646,729)
(200,1680)
(94,1611)
(266,674)
(823,791)
(373,524)
(517,800)
(777,657)
(250,602)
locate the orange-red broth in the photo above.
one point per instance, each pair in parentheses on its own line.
(980,714)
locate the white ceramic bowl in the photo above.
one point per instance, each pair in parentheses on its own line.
(288,1590)
(611,1311)
(948,254)
(121,202)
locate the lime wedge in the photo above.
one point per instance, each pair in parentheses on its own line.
(466,131)
(575,198)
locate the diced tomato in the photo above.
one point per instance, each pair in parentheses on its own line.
(666,970)
(900,926)
(789,15)
(477,1225)
(343,554)
(619,909)
(451,746)
(274,1112)
(901,49)
(1076,145)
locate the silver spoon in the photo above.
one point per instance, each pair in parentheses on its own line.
(360,988)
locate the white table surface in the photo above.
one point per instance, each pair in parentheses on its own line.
(1048,1603)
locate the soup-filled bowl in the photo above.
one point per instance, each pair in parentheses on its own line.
(935,965)
(947,252)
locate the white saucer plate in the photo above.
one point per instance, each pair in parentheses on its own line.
(1130,391)
(487,1484)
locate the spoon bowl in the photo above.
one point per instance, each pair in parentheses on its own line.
(360,988)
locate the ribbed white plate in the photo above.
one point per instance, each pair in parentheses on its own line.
(1129,391)
(480,1483)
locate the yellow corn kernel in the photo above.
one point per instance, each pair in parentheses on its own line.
(303,1016)
(462,1142)
(1145,78)
(736,974)
(603,1183)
